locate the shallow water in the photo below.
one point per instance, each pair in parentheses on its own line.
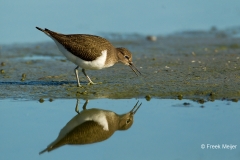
(162,129)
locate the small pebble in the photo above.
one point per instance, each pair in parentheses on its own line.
(167,67)
(24,75)
(85,92)
(41,100)
(2,71)
(78,93)
(212,94)
(152,38)
(148,97)
(180,97)
(3,64)
(201,101)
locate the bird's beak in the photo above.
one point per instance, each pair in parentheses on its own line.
(135,108)
(135,70)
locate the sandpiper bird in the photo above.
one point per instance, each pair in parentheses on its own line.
(91,126)
(90,52)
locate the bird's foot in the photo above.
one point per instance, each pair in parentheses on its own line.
(92,83)
(79,85)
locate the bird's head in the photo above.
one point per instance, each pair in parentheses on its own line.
(126,120)
(125,57)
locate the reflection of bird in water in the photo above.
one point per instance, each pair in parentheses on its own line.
(91,126)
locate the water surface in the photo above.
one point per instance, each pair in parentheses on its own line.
(162,129)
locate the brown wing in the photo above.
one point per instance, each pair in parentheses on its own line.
(86,133)
(86,47)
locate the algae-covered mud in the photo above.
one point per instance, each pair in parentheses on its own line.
(195,65)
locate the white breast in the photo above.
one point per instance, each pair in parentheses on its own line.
(91,65)
(95,115)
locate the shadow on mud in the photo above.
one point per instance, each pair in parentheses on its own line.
(51,83)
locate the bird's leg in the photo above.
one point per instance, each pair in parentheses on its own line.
(76,74)
(76,108)
(84,106)
(90,81)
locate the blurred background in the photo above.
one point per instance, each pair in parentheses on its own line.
(158,17)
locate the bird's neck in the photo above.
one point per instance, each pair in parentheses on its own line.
(112,57)
(113,120)
(119,54)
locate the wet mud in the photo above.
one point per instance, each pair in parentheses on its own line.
(196,66)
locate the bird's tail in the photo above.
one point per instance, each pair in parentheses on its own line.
(43,151)
(40,29)
(46,31)
(53,146)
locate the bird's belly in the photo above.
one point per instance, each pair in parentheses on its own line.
(99,63)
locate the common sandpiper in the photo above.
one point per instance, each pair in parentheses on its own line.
(90,52)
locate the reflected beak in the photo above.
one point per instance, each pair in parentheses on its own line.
(135,108)
(135,70)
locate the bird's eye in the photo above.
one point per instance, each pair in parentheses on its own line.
(126,57)
(128,121)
